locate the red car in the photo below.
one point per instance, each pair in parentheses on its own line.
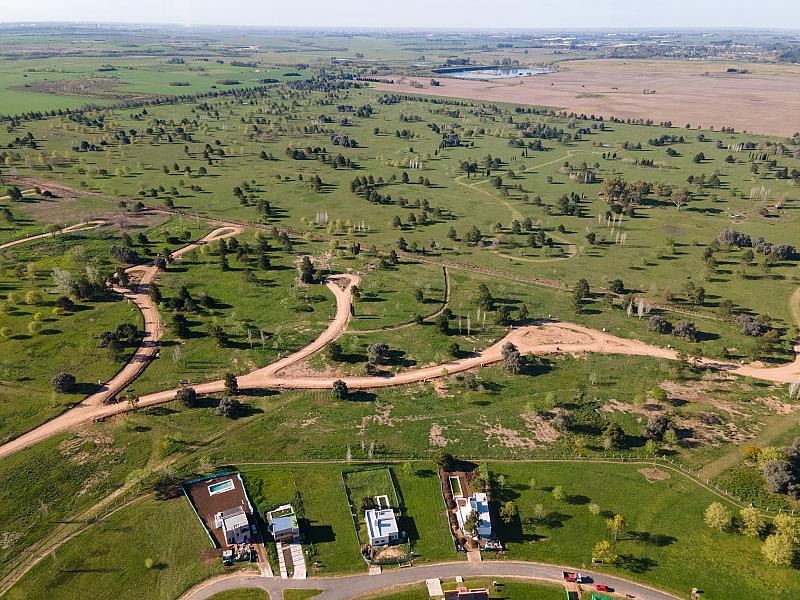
(602,588)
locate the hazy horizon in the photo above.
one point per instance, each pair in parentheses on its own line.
(418,14)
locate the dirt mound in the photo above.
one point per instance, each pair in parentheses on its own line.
(653,474)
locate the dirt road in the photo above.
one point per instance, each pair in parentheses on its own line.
(93,407)
(70,229)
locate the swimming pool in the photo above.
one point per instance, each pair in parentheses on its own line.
(220,486)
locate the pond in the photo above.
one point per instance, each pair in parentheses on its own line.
(497,73)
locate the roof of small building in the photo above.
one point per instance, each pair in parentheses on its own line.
(234,518)
(287,523)
(381,523)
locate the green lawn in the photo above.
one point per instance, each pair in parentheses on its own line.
(502,589)
(656,548)
(245,594)
(300,594)
(109,559)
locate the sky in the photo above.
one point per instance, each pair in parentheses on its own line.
(421,14)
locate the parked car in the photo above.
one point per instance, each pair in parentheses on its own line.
(600,587)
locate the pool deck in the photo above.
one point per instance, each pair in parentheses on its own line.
(207,505)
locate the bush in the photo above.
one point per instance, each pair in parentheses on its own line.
(686,330)
(229,408)
(659,324)
(63,382)
(186,396)
(657,426)
(339,390)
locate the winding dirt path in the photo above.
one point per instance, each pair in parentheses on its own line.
(85,225)
(407,324)
(93,407)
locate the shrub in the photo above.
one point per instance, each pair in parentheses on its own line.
(186,396)
(686,330)
(63,382)
(778,549)
(229,408)
(657,426)
(339,390)
(659,324)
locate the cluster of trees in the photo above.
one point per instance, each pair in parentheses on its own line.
(684,329)
(736,239)
(116,340)
(621,194)
(781,538)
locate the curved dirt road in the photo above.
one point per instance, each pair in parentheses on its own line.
(354,586)
(85,225)
(93,406)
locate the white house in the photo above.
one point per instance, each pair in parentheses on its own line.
(476,502)
(382,526)
(234,524)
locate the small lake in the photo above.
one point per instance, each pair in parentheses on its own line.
(496,73)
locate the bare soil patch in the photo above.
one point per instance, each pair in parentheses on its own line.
(105,87)
(653,474)
(766,100)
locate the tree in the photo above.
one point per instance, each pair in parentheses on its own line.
(686,330)
(787,525)
(671,437)
(603,552)
(471,523)
(419,294)
(616,525)
(508,511)
(512,359)
(443,460)
(63,382)
(231,384)
(453,349)
(582,290)
(229,408)
(339,390)
(718,517)
(657,426)
(752,523)
(442,324)
(186,396)
(334,351)
(306,270)
(558,494)
(594,508)
(378,353)
(484,298)
(613,436)
(780,476)
(523,314)
(616,286)
(659,324)
(778,549)
(180,325)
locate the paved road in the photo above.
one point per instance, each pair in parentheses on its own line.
(343,588)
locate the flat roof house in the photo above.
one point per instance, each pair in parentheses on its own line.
(382,526)
(285,529)
(478,503)
(234,524)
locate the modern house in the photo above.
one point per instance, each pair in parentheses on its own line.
(283,524)
(382,523)
(478,503)
(234,524)
(221,503)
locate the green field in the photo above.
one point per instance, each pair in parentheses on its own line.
(486,213)
(109,559)
(503,589)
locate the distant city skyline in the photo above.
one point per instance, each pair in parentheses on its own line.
(420,14)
